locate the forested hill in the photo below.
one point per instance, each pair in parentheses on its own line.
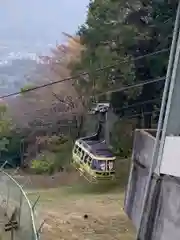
(118,34)
(122,45)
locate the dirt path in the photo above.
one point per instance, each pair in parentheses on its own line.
(83,216)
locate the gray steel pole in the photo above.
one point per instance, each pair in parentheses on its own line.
(160,123)
(171,124)
(107,129)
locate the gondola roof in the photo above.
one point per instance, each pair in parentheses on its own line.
(97,148)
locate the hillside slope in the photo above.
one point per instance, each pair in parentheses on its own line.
(72,214)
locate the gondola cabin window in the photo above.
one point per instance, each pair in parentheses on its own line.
(89,161)
(110,165)
(77,152)
(98,165)
(102,165)
(75,149)
(82,155)
(86,157)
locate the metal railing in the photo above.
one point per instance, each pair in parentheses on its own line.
(17,208)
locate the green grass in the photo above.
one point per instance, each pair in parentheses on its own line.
(65,206)
(85,189)
(102,187)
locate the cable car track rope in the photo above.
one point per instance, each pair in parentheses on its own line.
(97,70)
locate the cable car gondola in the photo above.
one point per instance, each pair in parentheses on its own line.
(93,158)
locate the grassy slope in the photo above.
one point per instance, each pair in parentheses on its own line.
(64,213)
(64,209)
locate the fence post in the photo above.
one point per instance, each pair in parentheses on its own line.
(34,205)
(20,208)
(12,234)
(8,194)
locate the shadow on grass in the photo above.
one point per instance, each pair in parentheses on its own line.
(85,187)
